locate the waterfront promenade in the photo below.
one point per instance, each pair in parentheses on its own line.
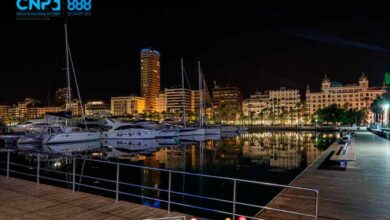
(362,191)
(21,199)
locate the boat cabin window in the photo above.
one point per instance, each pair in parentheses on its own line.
(124,127)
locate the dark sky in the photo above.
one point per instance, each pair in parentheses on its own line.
(254,46)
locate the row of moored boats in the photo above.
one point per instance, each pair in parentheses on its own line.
(38,131)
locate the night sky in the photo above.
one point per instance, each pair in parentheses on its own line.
(253,46)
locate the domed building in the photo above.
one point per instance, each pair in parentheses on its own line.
(357,96)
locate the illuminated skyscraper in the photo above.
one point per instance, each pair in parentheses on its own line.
(150,77)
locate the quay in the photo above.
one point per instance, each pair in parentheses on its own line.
(362,191)
(21,199)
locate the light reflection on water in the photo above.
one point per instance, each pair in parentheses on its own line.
(277,156)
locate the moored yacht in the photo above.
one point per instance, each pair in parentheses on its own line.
(212,130)
(191,131)
(129,131)
(167,133)
(67,134)
(31,138)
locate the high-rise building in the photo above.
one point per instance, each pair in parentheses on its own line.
(206,99)
(175,99)
(227,97)
(127,105)
(161,102)
(357,96)
(150,78)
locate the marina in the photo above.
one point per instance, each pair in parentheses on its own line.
(195,111)
(275,157)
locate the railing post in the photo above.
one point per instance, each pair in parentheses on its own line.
(74,175)
(117,183)
(234,198)
(169,191)
(8,159)
(317,197)
(38,167)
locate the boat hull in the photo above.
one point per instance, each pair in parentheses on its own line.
(167,133)
(130,134)
(192,131)
(60,138)
(30,139)
(212,131)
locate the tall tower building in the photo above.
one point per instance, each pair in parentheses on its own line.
(150,77)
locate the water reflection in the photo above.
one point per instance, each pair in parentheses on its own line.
(277,156)
(274,151)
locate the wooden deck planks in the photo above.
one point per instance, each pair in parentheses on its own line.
(21,199)
(362,191)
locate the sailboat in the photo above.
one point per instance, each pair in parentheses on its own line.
(64,133)
(186,131)
(209,130)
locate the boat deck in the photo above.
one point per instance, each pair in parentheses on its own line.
(21,199)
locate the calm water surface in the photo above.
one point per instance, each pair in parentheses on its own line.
(277,156)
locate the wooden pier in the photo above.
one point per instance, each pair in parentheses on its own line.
(362,191)
(21,199)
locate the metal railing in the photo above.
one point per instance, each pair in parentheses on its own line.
(169,191)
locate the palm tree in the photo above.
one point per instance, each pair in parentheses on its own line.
(283,115)
(376,107)
(251,116)
(261,115)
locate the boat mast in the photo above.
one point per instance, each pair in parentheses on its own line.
(182,89)
(200,97)
(69,94)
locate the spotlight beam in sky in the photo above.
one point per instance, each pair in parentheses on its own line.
(328,39)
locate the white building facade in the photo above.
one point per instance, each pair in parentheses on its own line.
(357,96)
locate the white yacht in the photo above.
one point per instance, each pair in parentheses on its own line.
(191,131)
(67,134)
(212,130)
(29,126)
(167,133)
(129,131)
(31,138)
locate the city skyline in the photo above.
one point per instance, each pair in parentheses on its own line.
(260,47)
